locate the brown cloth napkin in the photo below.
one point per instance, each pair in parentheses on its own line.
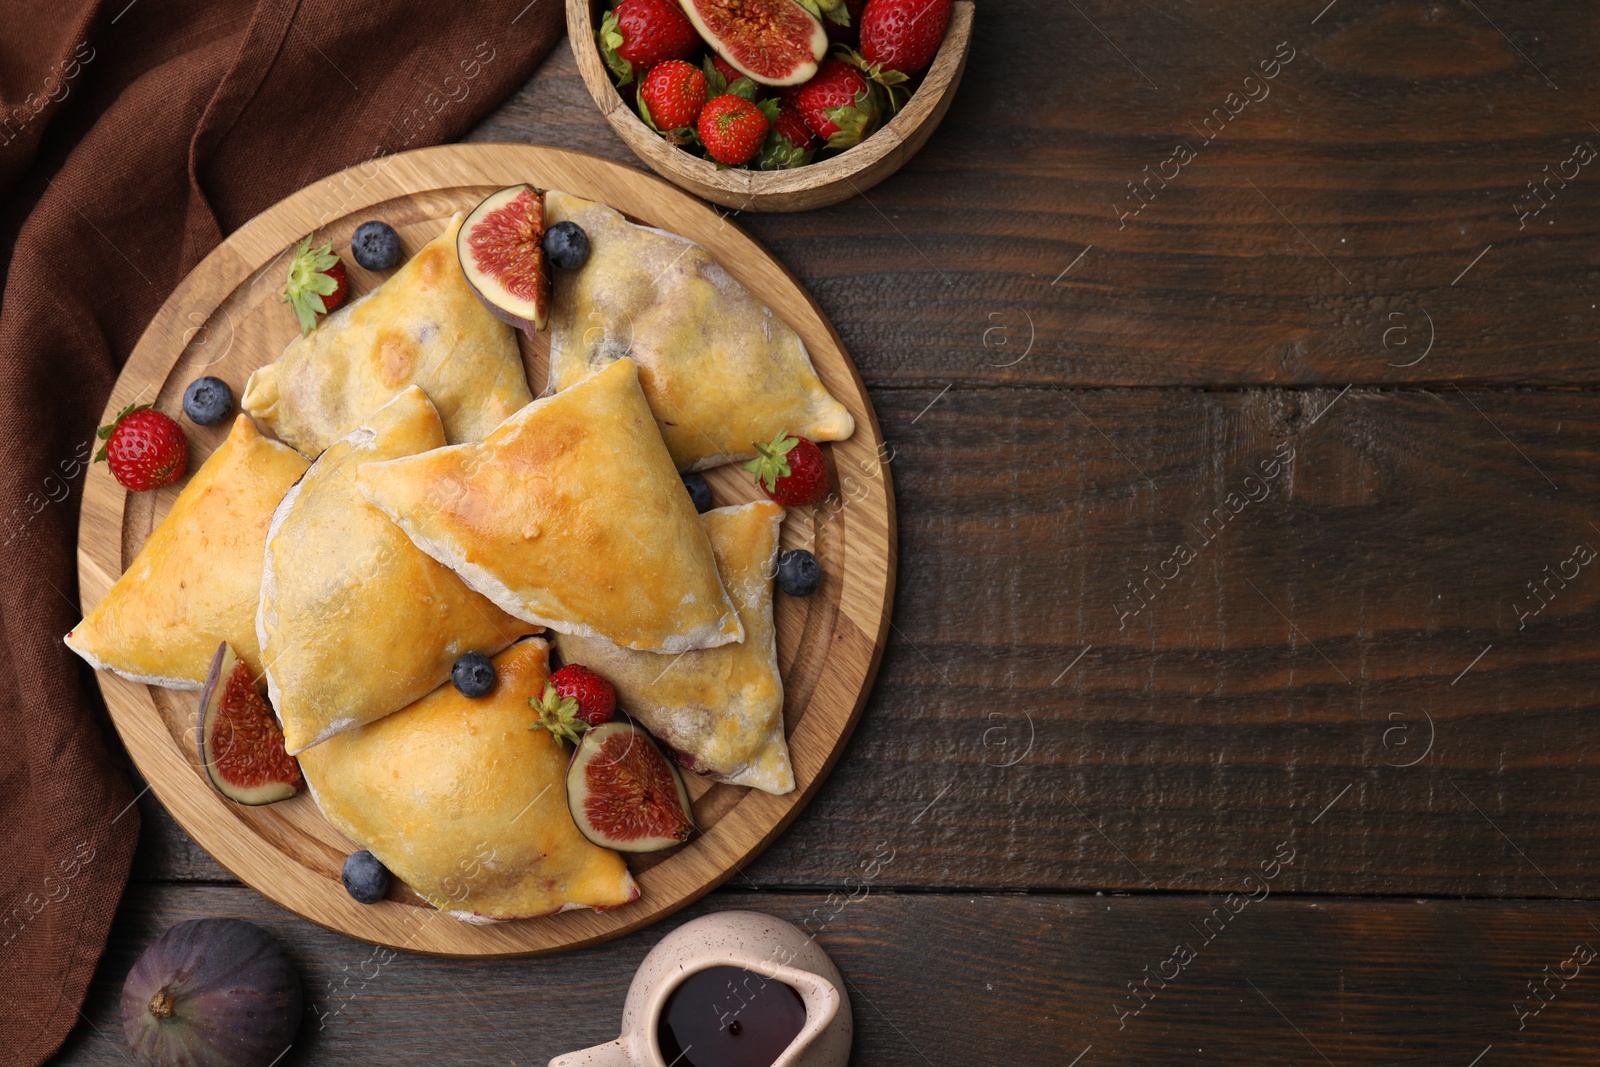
(133,137)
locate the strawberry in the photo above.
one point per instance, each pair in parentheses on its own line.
(791,470)
(733,129)
(317,284)
(597,701)
(790,144)
(903,35)
(144,448)
(671,95)
(638,34)
(574,699)
(838,104)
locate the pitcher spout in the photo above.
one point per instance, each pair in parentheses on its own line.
(611,1054)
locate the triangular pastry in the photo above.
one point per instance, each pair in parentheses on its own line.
(569,515)
(720,369)
(197,580)
(720,709)
(355,623)
(461,800)
(423,326)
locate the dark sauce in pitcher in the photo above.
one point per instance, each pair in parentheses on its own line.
(729,1017)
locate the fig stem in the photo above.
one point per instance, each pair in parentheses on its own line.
(162,1005)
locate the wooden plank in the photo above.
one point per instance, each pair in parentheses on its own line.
(949,979)
(1201,730)
(1391,150)
(1400,540)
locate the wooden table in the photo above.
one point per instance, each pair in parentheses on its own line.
(1241,702)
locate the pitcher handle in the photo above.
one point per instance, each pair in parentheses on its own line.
(611,1054)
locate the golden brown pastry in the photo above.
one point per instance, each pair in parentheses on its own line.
(422,326)
(355,623)
(721,708)
(720,369)
(461,800)
(569,515)
(197,580)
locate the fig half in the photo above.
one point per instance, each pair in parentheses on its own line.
(220,992)
(624,794)
(241,743)
(774,42)
(501,246)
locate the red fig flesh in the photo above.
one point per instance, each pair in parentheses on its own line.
(219,992)
(501,245)
(241,743)
(774,42)
(624,794)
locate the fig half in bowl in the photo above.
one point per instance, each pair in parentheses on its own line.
(773,42)
(501,245)
(624,794)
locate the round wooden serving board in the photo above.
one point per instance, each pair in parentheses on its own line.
(226,319)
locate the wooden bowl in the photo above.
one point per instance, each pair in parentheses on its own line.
(815,185)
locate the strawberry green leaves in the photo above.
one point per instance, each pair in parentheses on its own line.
(104,433)
(717,83)
(557,714)
(772,462)
(854,122)
(834,11)
(309,281)
(609,37)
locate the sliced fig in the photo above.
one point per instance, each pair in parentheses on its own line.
(241,743)
(624,794)
(214,991)
(501,245)
(774,42)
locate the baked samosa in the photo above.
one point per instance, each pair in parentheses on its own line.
(569,515)
(197,580)
(461,800)
(720,369)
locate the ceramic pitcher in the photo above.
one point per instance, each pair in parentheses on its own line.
(771,948)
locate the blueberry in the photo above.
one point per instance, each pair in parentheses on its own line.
(566,245)
(699,492)
(376,246)
(207,401)
(473,674)
(364,877)
(799,573)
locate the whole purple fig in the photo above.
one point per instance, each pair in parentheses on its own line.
(212,992)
